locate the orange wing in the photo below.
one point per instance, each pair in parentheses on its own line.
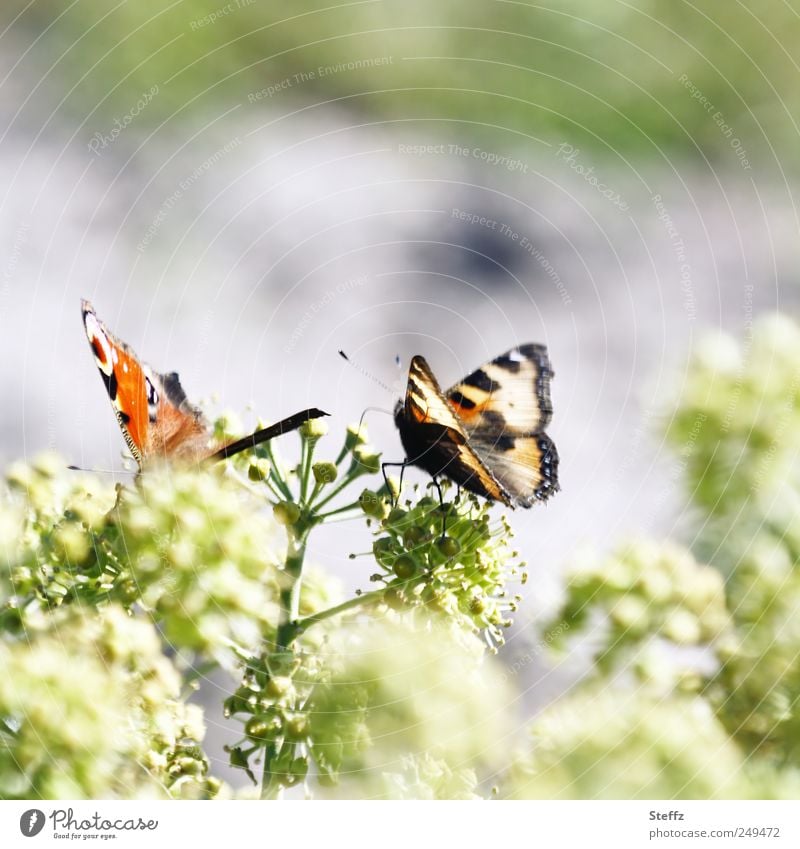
(153,412)
(435,438)
(505,406)
(124,380)
(152,409)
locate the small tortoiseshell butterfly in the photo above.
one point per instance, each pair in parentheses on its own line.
(153,412)
(486,433)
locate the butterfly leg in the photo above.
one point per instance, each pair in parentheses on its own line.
(441,505)
(384,467)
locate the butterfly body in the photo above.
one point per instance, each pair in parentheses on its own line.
(156,418)
(486,433)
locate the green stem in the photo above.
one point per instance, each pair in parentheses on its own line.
(314,493)
(356,601)
(306,450)
(321,517)
(286,634)
(290,595)
(346,481)
(274,476)
(269,783)
(342,454)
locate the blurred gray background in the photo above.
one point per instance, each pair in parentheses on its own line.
(243,189)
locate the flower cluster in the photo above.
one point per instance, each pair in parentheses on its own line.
(648,600)
(90,708)
(194,550)
(737,424)
(739,412)
(450,558)
(757,688)
(200,554)
(376,693)
(48,522)
(385,694)
(613,743)
(426,777)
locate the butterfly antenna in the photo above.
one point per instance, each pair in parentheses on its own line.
(372,410)
(100,471)
(366,373)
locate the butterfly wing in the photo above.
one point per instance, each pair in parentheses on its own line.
(152,409)
(124,379)
(504,407)
(178,430)
(436,440)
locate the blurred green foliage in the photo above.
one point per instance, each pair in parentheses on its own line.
(694,684)
(602,75)
(744,472)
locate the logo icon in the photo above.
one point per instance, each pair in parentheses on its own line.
(31,822)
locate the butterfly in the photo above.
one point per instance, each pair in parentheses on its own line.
(486,433)
(153,411)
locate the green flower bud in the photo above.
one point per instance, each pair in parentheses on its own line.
(189,766)
(355,436)
(368,460)
(404,567)
(258,729)
(324,472)
(394,599)
(682,627)
(313,429)
(279,686)
(631,614)
(396,515)
(258,469)
(286,512)
(372,504)
(73,543)
(414,536)
(297,726)
(448,546)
